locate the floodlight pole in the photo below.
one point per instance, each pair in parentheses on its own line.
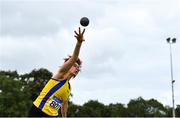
(172,80)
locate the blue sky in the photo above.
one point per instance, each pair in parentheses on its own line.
(125,54)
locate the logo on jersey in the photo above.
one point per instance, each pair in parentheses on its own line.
(55,103)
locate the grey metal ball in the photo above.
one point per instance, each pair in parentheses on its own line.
(84,21)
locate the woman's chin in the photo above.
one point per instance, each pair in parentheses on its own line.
(73,75)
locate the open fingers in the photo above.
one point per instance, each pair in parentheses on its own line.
(76,36)
(76,33)
(83,31)
(79,30)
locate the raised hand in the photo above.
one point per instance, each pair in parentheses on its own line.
(79,35)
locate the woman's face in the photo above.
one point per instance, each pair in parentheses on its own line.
(75,69)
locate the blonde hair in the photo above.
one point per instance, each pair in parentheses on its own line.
(78,61)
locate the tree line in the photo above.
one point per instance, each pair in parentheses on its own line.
(17,92)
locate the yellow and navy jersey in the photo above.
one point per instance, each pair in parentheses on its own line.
(52,96)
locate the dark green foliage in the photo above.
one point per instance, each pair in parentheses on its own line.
(92,109)
(17,92)
(137,107)
(73,110)
(117,110)
(178,111)
(155,108)
(14,100)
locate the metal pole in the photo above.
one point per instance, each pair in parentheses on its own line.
(172,81)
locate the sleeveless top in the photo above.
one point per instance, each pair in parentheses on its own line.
(52,96)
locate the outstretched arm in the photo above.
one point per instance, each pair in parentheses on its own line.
(68,64)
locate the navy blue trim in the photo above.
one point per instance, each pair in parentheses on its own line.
(57,99)
(52,90)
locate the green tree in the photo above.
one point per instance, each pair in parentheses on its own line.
(17,92)
(178,111)
(136,107)
(35,81)
(155,109)
(73,110)
(117,110)
(149,108)
(92,109)
(9,73)
(168,111)
(14,100)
